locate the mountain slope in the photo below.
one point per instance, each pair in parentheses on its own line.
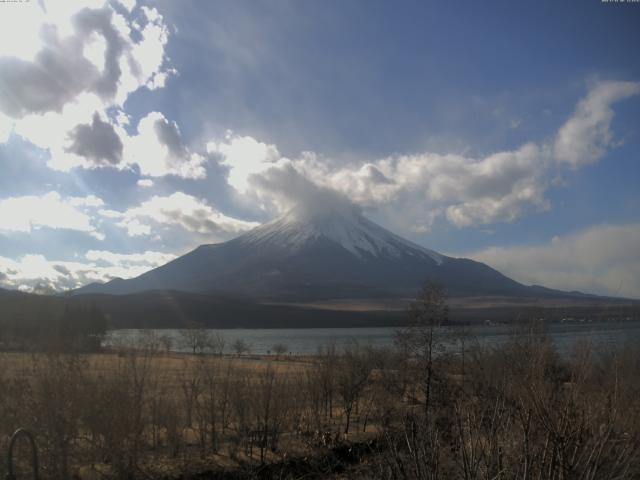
(308,254)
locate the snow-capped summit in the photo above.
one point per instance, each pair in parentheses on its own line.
(342,224)
(317,253)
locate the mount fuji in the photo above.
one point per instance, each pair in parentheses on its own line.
(317,254)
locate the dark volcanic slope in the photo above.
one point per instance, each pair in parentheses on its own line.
(310,255)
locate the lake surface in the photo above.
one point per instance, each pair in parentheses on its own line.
(308,340)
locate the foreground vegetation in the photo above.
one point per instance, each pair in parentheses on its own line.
(518,411)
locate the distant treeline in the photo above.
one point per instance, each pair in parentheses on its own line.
(26,316)
(172,309)
(34,322)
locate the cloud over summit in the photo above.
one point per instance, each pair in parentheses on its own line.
(464,190)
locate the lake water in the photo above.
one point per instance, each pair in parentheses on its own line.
(309,340)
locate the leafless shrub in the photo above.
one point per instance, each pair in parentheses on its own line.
(352,376)
(269,410)
(211,401)
(326,378)
(420,341)
(280,349)
(240,347)
(196,339)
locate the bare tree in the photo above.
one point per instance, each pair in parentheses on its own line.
(166,341)
(194,338)
(216,343)
(419,340)
(240,347)
(351,379)
(263,408)
(280,349)
(326,377)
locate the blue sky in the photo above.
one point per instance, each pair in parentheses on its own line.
(504,131)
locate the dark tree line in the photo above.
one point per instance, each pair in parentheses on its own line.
(29,322)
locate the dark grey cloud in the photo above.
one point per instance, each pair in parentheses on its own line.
(97,142)
(376,176)
(169,135)
(62,269)
(197,221)
(43,289)
(57,75)
(88,21)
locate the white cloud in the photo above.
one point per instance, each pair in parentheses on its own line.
(108,213)
(88,201)
(37,273)
(18,23)
(135,228)
(149,52)
(466,190)
(499,187)
(128,4)
(245,156)
(603,259)
(179,210)
(24,214)
(586,136)
(125,259)
(145,183)
(158,150)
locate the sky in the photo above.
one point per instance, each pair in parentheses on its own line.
(507,132)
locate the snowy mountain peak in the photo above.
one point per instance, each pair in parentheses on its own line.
(342,224)
(323,251)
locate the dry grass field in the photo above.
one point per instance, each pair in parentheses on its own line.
(514,411)
(171,366)
(100,415)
